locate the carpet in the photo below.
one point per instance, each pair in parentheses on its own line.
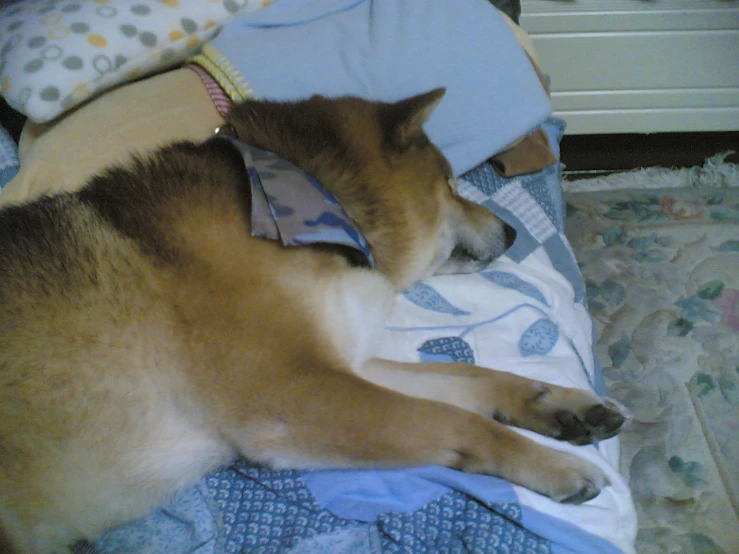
(662,270)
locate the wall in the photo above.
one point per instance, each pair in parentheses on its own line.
(630,66)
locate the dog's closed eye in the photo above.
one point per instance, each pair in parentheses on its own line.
(462,254)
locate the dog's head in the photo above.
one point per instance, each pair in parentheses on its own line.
(399,188)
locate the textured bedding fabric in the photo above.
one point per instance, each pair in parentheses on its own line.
(525,313)
(8,158)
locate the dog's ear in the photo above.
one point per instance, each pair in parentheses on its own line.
(404,120)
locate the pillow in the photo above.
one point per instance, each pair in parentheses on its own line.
(54,55)
(386,51)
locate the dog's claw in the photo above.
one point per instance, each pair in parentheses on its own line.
(588,492)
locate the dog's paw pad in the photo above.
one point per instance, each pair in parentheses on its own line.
(570,426)
(598,422)
(604,418)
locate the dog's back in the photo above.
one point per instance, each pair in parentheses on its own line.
(84,342)
(137,319)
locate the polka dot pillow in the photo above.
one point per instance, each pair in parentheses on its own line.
(54,54)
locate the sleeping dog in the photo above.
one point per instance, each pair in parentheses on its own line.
(148,337)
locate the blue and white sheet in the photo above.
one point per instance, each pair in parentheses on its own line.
(8,158)
(525,313)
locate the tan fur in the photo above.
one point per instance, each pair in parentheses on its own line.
(146,338)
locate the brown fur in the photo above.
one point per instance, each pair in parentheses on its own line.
(146,338)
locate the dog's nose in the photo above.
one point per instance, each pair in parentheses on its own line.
(510,236)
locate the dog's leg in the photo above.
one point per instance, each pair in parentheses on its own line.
(563,413)
(332,419)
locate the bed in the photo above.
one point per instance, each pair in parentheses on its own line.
(525,313)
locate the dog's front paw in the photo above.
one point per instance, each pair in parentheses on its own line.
(573,480)
(588,424)
(566,414)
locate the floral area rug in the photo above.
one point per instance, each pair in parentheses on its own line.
(662,270)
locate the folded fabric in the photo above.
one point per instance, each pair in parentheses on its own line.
(532,154)
(387,51)
(290,206)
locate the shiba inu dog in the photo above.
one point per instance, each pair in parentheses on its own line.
(146,337)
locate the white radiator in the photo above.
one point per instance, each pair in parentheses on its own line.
(631,66)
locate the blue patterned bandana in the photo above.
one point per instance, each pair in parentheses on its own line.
(289,205)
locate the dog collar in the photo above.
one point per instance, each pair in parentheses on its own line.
(290,206)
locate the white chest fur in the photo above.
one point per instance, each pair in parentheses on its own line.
(354,306)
